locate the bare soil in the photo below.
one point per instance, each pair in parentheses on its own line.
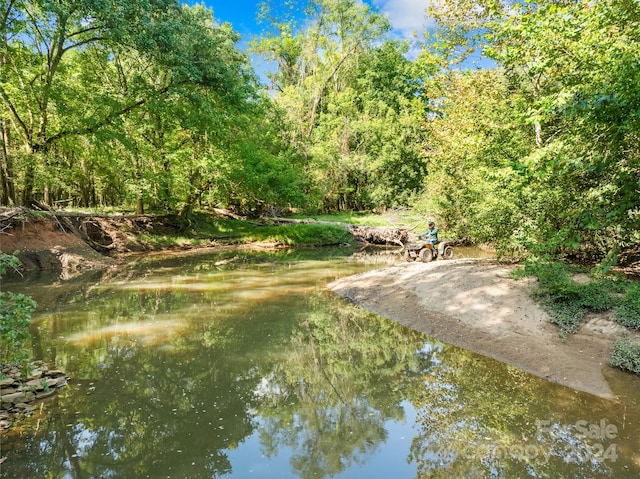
(74,242)
(474,304)
(43,245)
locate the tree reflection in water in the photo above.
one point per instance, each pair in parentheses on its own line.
(346,375)
(306,371)
(481,418)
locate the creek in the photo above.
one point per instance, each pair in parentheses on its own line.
(242,364)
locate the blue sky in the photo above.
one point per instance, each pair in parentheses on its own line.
(406,16)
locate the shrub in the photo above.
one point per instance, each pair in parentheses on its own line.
(15,315)
(626,354)
(596,295)
(566,300)
(628,313)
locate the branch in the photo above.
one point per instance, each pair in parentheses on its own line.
(15,113)
(316,100)
(80,43)
(80,32)
(99,124)
(5,16)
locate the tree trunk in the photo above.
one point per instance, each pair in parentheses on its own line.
(193,198)
(139,190)
(7,189)
(29,178)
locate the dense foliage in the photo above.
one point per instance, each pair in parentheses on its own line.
(626,355)
(133,103)
(353,100)
(15,315)
(537,152)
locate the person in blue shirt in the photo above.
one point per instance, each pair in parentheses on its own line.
(431,235)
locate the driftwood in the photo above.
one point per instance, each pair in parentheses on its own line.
(380,235)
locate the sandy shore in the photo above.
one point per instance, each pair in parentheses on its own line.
(475,305)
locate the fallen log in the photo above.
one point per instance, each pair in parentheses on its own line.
(380,235)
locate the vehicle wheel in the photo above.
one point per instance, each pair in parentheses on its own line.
(448,252)
(426,255)
(407,256)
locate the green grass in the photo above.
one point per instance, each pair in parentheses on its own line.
(203,229)
(403,218)
(568,301)
(626,355)
(304,234)
(628,312)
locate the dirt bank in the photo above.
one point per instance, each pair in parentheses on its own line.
(475,305)
(73,242)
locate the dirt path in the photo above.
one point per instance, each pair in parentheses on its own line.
(475,305)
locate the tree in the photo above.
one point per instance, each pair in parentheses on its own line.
(75,73)
(353,100)
(566,68)
(477,180)
(580,59)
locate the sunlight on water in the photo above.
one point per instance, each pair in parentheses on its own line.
(150,332)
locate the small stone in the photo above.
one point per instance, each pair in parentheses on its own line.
(44,395)
(19,397)
(6,382)
(61,381)
(22,407)
(36,384)
(36,374)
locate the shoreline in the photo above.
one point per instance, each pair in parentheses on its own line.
(474,304)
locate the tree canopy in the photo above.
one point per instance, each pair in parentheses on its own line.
(124,102)
(544,160)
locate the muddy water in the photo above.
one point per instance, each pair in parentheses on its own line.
(244,365)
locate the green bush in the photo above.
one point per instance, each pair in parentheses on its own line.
(566,300)
(596,295)
(628,313)
(626,354)
(15,315)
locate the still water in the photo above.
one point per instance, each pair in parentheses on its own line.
(244,365)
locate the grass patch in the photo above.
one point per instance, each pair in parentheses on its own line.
(345,217)
(626,355)
(628,312)
(568,301)
(404,218)
(203,229)
(300,235)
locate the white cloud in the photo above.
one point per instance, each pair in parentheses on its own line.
(406,16)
